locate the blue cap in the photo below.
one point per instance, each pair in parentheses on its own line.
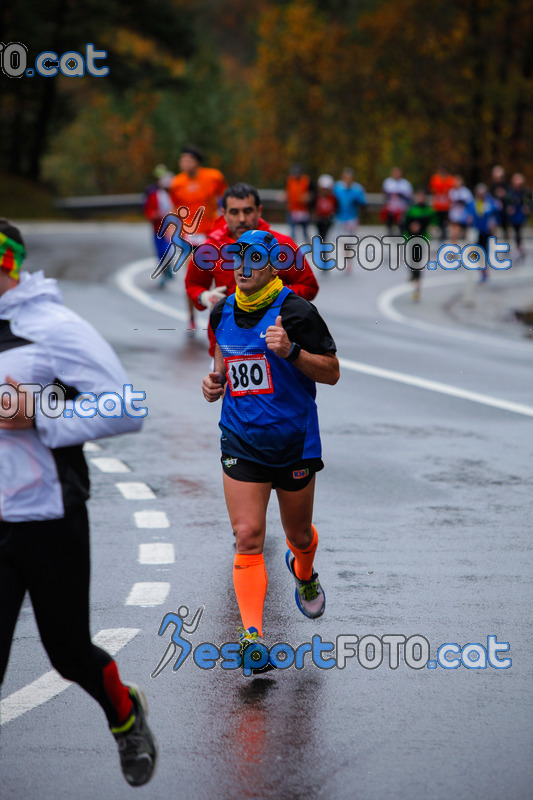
(265,238)
(257,250)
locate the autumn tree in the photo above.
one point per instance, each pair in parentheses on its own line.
(132,33)
(377,83)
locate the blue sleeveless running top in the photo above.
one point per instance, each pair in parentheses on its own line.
(269,414)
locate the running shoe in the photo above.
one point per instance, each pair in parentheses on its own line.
(309,595)
(191,328)
(137,746)
(249,638)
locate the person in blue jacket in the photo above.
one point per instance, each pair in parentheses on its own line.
(350,198)
(272,348)
(482,214)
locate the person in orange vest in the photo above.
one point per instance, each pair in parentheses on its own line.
(439,186)
(298,193)
(196,186)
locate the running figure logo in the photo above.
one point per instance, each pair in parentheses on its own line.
(179,249)
(176,640)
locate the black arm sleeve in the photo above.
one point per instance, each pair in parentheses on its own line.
(305,326)
(300,318)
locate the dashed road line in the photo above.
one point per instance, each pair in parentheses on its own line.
(148,595)
(157,553)
(51,683)
(91,447)
(108,464)
(135,491)
(151,519)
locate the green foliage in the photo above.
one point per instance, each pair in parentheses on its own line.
(198,114)
(105,150)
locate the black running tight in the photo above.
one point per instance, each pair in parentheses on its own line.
(51,561)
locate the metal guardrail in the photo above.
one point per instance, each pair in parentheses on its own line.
(100,202)
(272,200)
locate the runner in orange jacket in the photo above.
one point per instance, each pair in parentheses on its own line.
(195,186)
(241,212)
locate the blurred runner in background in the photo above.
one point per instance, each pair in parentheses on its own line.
(350,199)
(325,205)
(298,192)
(156,205)
(518,205)
(242,209)
(483,216)
(439,185)
(460,198)
(416,223)
(499,189)
(193,187)
(398,196)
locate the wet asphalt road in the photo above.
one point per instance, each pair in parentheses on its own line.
(423,513)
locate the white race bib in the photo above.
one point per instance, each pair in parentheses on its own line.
(248,375)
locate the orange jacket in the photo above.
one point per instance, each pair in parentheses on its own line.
(203,190)
(297,190)
(440,186)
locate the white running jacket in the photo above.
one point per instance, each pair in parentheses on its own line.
(43,472)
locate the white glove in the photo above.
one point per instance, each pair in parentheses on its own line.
(210,297)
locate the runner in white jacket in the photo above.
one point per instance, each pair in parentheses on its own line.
(44,485)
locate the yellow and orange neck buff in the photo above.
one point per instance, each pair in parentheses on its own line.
(264,297)
(12,254)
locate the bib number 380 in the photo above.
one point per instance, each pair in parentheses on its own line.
(248,375)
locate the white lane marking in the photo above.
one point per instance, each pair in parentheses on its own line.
(151,519)
(385,305)
(51,683)
(91,447)
(435,386)
(126,282)
(110,464)
(156,553)
(384,302)
(148,594)
(135,491)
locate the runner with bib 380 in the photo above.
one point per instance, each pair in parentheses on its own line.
(272,348)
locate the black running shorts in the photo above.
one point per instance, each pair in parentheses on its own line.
(290,479)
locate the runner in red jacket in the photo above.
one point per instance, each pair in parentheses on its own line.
(241,212)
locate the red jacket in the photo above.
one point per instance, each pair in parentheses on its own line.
(197,280)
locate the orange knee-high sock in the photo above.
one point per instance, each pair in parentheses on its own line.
(303,559)
(251,582)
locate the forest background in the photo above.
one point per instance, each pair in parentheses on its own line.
(258,86)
